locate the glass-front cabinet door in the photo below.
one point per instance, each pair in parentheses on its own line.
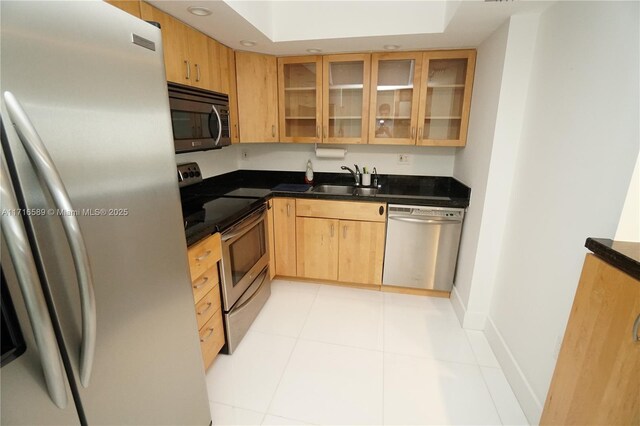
(395,82)
(300,100)
(345,98)
(445,97)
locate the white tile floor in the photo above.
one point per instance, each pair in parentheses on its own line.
(320,354)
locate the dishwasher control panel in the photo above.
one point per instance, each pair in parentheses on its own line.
(423,211)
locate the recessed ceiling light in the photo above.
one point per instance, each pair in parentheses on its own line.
(314,50)
(248,43)
(200,11)
(391,47)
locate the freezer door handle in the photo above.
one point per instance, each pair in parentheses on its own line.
(22,257)
(47,171)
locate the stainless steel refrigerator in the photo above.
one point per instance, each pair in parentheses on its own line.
(96,297)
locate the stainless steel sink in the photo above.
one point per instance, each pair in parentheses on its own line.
(344,190)
(334,189)
(365,191)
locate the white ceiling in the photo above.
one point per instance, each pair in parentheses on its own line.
(292,27)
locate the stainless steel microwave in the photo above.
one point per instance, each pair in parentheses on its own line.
(200,119)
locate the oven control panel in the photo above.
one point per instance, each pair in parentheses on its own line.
(188,174)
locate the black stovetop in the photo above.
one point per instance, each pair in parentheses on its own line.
(204,212)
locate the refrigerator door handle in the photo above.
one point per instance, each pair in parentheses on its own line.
(46,169)
(22,258)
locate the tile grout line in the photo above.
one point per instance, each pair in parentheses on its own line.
(484,380)
(284,370)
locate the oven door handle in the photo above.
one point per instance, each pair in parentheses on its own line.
(244,226)
(242,303)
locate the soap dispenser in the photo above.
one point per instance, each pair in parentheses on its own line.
(308,176)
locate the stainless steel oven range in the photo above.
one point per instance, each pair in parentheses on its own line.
(240,217)
(244,275)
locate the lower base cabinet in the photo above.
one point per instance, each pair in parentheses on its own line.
(205,284)
(597,376)
(317,248)
(361,252)
(340,240)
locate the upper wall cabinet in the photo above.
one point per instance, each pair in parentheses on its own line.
(187,53)
(345,98)
(174,41)
(445,97)
(421,98)
(300,98)
(257,96)
(132,7)
(395,91)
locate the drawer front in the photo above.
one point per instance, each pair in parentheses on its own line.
(204,255)
(211,338)
(204,283)
(207,306)
(347,210)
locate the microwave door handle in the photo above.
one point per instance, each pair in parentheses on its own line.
(27,274)
(46,169)
(215,110)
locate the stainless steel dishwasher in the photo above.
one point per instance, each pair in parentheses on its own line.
(422,246)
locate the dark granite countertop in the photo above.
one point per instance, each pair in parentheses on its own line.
(435,191)
(419,190)
(621,254)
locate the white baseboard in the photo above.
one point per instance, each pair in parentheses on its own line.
(458,306)
(521,388)
(468,319)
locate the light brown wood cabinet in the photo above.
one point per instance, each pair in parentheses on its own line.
(340,240)
(421,98)
(257,97)
(174,42)
(345,98)
(300,98)
(203,266)
(395,91)
(190,57)
(361,252)
(271,238)
(445,97)
(597,376)
(284,231)
(233,97)
(324,98)
(317,248)
(132,7)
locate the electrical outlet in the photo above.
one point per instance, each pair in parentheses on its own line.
(245,154)
(404,159)
(556,349)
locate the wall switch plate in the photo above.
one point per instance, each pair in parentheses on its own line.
(404,159)
(244,154)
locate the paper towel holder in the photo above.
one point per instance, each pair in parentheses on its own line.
(326,152)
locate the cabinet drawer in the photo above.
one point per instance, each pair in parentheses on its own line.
(211,338)
(207,306)
(204,255)
(348,210)
(204,283)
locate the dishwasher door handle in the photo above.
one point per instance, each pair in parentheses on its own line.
(426,221)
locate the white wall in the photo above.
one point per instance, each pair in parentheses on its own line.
(577,151)
(472,163)
(490,165)
(213,163)
(423,160)
(629,225)
(430,161)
